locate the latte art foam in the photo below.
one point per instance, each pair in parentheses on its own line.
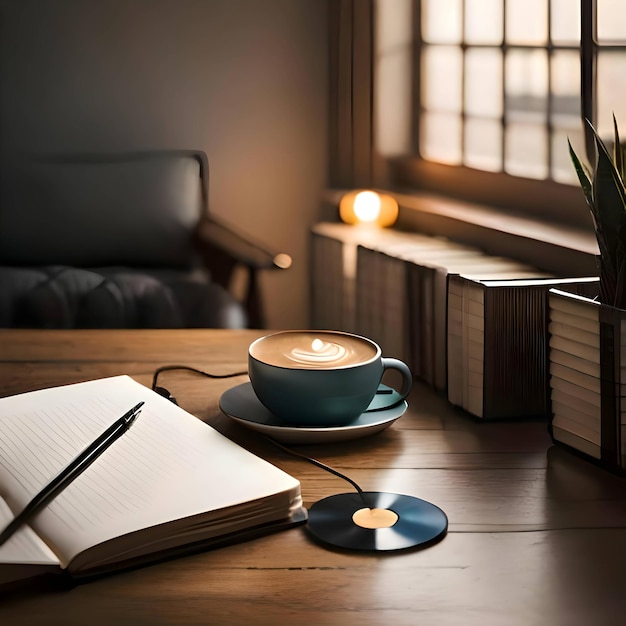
(320,352)
(313,350)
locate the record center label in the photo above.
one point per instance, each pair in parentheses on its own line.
(374,518)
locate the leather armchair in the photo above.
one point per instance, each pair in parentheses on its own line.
(122,241)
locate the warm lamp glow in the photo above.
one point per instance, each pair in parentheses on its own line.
(368,207)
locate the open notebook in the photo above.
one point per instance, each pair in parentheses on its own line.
(170,484)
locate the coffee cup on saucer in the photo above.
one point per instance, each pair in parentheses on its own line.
(320,378)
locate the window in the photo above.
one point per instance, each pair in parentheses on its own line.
(496,94)
(510,97)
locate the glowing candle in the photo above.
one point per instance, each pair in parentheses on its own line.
(367,206)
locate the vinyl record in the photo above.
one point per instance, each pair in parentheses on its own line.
(384,521)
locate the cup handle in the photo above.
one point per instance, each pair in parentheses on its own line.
(403,368)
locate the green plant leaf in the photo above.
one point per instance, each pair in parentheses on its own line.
(617,150)
(583,176)
(585,182)
(609,204)
(608,193)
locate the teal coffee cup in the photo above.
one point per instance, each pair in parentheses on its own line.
(321,378)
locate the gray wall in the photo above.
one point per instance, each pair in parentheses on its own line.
(244,80)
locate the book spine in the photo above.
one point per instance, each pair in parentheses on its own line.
(381,301)
(367,293)
(455,340)
(439,338)
(473,360)
(421,321)
(516,359)
(394,333)
(575,373)
(516,379)
(328,293)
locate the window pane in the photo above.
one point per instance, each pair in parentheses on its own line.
(512,107)
(438,62)
(441,21)
(483,144)
(565,21)
(565,115)
(611,21)
(562,169)
(483,21)
(441,137)
(565,77)
(526,85)
(393,23)
(611,91)
(526,152)
(527,21)
(393,101)
(483,82)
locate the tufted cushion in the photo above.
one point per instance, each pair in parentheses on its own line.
(137,210)
(63,297)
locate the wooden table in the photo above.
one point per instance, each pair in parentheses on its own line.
(536,535)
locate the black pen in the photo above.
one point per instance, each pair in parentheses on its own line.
(76,467)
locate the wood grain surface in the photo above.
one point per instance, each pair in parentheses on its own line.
(536,534)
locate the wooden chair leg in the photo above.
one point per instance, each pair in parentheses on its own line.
(254,303)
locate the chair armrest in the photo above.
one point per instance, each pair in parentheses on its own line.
(223,249)
(214,235)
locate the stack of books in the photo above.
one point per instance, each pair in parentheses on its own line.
(477,266)
(402,296)
(472,325)
(387,298)
(333,273)
(360,284)
(330,301)
(498,345)
(575,379)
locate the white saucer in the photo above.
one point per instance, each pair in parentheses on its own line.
(241,404)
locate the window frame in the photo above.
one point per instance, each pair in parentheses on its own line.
(542,200)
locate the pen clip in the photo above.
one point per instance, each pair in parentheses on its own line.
(132,415)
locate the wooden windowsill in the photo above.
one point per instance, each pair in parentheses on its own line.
(565,250)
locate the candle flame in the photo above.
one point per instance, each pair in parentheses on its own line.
(367,206)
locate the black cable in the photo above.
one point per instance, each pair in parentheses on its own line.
(167,368)
(321,465)
(343,476)
(164,392)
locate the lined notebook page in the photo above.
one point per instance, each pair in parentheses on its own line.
(24,546)
(169,465)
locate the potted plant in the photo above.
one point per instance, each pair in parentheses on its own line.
(586,332)
(606,196)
